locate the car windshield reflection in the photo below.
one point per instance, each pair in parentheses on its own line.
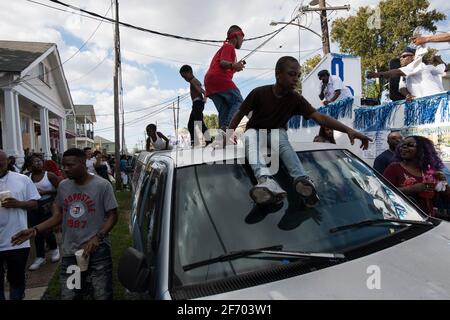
(215,215)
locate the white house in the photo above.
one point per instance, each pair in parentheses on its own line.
(82,124)
(34,99)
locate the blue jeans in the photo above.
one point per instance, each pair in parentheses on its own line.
(256,141)
(97,279)
(227,104)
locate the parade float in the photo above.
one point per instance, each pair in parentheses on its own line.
(427,116)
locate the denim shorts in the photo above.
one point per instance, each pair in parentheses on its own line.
(96,281)
(227,104)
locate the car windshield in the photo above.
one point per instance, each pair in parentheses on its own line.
(214,214)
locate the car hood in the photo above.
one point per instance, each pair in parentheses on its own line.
(418,268)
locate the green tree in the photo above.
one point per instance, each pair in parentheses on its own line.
(377,46)
(309,65)
(211,121)
(306,67)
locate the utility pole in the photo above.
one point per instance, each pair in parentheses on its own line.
(324,27)
(174,119)
(116,101)
(178,114)
(324,20)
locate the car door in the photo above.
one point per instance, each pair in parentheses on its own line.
(148,213)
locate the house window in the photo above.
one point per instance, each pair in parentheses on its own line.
(43,73)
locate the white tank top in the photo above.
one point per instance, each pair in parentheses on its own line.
(44,184)
(159,144)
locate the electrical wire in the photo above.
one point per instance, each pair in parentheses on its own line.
(164,34)
(62,63)
(267,40)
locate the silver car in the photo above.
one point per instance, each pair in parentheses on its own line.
(198,235)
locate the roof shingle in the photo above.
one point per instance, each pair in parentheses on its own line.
(16,56)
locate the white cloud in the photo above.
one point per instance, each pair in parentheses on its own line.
(206,19)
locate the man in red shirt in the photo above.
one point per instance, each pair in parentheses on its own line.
(219,85)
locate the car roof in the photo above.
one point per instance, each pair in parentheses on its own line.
(183,157)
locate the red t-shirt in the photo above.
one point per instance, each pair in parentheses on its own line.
(400,177)
(218,79)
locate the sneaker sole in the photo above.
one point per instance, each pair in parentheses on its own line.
(303,189)
(262,195)
(37,268)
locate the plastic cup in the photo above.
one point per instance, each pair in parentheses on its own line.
(82,262)
(4,195)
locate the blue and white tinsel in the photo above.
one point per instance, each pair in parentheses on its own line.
(374,118)
(295,122)
(336,110)
(423,110)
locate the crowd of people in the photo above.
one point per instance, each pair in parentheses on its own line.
(80,198)
(40,199)
(414,74)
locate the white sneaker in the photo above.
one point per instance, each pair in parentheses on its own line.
(37,264)
(267,191)
(55,255)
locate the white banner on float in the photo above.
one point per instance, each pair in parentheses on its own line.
(347,67)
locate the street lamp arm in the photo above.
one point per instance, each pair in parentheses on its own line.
(273,23)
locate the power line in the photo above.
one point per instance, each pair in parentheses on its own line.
(164,34)
(92,69)
(62,63)
(152,106)
(267,40)
(90,37)
(63,10)
(111,21)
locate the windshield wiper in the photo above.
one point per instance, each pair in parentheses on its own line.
(274,250)
(379,221)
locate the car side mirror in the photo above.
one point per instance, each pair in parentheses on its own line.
(133,271)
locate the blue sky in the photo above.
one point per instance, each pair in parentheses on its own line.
(151,63)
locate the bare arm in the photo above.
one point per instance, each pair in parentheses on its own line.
(14,203)
(386,74)
(92,245)
(444,37)
(337,93)
(408,96)
(48,224)
(111,220)
(164,138)
(411,190)
(238,66)
(322,93)
(231,136)
(331,123)
(236,120)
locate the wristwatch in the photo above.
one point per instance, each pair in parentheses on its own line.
(100,235)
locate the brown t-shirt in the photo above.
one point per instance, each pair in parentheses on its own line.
(271,112)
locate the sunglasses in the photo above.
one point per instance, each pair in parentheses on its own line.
(403,56)
(408,145)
